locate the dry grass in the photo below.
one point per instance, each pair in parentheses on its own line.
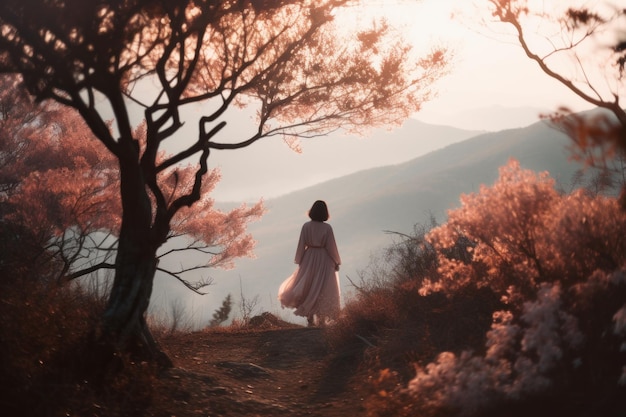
(398,327)
(46,365)
(45,357)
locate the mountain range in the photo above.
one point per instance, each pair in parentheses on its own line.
(270,169)
(365,206)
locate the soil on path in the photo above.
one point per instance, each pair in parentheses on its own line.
(273,372)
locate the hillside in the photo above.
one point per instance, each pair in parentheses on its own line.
(270,168)
(366,204)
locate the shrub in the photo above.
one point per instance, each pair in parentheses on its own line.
(396,324)
(547,270)
(46,358)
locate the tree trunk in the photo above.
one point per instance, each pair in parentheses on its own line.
(124,328)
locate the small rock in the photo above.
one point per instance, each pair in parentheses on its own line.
(218,390)
(245,369)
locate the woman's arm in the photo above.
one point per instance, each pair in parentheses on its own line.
(331,248)
(301,247)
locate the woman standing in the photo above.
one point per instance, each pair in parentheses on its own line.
(313,289)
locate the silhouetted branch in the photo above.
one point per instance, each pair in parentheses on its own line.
(91,269)
(195,287)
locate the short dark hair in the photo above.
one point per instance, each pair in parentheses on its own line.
(319,211)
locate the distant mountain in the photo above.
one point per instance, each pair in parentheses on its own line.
(270,169)
(492,118)
(366,204)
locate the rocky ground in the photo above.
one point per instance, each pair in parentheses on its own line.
(267,371)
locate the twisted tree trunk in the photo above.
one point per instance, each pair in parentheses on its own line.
(124,327)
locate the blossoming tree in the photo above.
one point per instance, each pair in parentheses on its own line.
(60,186)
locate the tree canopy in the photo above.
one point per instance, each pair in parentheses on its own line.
(62,186)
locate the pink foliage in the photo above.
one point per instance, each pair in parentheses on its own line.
(526,233)
(518,360)
(577,235)
(550,257)
(506,221)
(55,175)
(62,184)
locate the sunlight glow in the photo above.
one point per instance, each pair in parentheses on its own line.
(488,68)
(424,22)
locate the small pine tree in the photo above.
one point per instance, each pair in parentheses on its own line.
(221,314)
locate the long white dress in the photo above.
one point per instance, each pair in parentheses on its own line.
(313,288)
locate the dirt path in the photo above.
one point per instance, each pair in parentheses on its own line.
(280,372)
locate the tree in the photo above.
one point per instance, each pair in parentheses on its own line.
(56,186)
(282,57)
(60,206)
(584,50)
(221,314)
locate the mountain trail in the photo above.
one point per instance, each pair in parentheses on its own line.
(285,371)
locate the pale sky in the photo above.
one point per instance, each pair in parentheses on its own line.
(486,72)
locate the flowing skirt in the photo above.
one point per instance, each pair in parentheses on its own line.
(313,288)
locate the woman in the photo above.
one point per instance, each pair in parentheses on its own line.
(313,289)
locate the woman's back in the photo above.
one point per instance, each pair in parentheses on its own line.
(316,234)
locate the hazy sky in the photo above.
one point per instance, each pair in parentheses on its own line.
(486,72)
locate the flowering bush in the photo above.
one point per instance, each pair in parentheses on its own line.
(558,264)
(524,233)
